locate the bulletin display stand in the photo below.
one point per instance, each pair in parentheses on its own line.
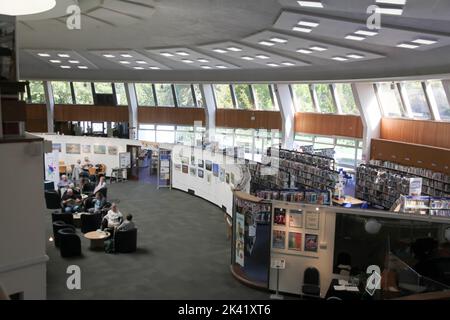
(164,169)
(277,264)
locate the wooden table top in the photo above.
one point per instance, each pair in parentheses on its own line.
(348,199)
(96,235)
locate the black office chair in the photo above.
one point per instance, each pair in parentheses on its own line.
(90,222)
(52,199)
(125,241)
(311,283)
(70,243)
(58,225)
(66,217)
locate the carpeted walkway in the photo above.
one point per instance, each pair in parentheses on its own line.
(182,253)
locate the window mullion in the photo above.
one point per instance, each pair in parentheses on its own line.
(405,99)
(335,99)
(431,100)
(233,97)
(315,99)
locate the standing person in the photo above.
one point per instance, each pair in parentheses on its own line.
(101,184)
(127,224)
(76,171)
(87,164)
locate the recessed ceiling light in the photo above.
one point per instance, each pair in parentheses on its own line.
(141,62)
(318,48)
(221,67)
(366,33)
(247,58)
(391,11)
(235,49)
(302,29)
(356,38)
(109,56)
(278,40)
(166,54)
(262,56)
(126,55)
(205,67)
(187,61)
(408,45)
(273,65)
(220,50)
(124,62)
(65,67)
(287,63)
(82,67)
(266,43)
(55,61)
(305,23)
(203,60)
(425,41)
(339,58)
(155,68)
(305,51)
(355,56)
(138,68)
(399,2)
(63,55)
(74,61)
(182,53)
(43,55)
(311,4)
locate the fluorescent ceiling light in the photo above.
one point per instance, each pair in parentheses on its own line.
(355,56)
(138,68)
(206,67)
(366,33)
(126,55)
(278,40)
(166,54)
(287,63)
(82,67)
(55,61)
(247,58)
(43,55)
(109,56)
(273,65)
(356,38)
(311,4)
(408,45)
(221,67)
(24,7)
(220,50)
(318,48)
(301,29)
(124,62)
(339,58)
(305,23)
(262,56)
(182,53)
(266,43)
(65,67)
(235,49)
(399,2)
(74,61)
(203,60)
(187,61)
(305,51)
(155,68)
(391,11)
(63,55)
(425,41)
(141,62)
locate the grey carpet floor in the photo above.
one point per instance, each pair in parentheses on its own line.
(182,253)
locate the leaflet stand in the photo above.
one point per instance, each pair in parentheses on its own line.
(278,264)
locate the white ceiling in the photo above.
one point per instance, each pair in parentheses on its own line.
(143,29)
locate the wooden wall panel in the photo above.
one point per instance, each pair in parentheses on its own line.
(248,119)
(329,124)
(414,155)
(91,113)
(175,116)
(13,110)
(431,133)
(36,118)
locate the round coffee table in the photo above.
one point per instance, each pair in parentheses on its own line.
(97,239)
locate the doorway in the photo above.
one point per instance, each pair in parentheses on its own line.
(133,171)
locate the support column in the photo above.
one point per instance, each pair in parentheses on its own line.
(369,109)
(431,100)
(132,110)
(287,110)
(50,104)
(210,110)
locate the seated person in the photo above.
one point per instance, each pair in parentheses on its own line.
(71,202)
(112,219)
(98,202)
(64,182)
(101,184)
(75,189)
(127,224)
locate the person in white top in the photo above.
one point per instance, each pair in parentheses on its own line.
(101,184)
(113,218)
(76,171)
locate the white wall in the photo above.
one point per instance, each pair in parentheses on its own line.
(22,228)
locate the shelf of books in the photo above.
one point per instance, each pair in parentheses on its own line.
(424,205)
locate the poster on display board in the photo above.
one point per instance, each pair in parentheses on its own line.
(125,160)
(52,166)
(239,233)
(164,163)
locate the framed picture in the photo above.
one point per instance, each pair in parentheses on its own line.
(57,147)
(201,163)
(86,148)
(112,150)
(208,165)
(227,178)
(193,171)
(200,173)
(312,220)
(73,148)
(215,169)
(279,239)
(279,217)
(311,242)
(222,175)
(185,168)
(177,166)
(99,149)
(295,241)
(295,218)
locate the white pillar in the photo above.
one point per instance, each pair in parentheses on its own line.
(50,104)
(132,110)
(210,110)
(369,109)
(287,110)
(431,100)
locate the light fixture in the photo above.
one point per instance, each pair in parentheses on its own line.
(43,55)
(407,45)
(247,58)
(55,61)
(318,48)
(205,67)
(74,61)
(82,67)
(310,4)
(187,61)
(305,51)
(182,53)
(155,68)
(203,60)
(262,56)
(399,2)
(24,7)
(339,58)
(266,43)
(273,65)
(63,55)
(302,29)
(372,226)
(220,50)
(234,49)
(390,11)
(306,23)
(287,63)
(65,67)
(366,33)
(50,239)
(141,62)
(356,38)
(109,56)
(317,209)
(355,56)
(138,68)
(424,41)
(126,55)
(166,54)
(278,40)
(124,62)
(221,67)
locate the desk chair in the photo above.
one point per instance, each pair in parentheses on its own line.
(70,243)
(52,199)
(311,283)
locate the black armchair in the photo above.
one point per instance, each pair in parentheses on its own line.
(58,225)
(90,222)
(70,243)
(125,241)
(311,283)
(52,199)
(66,217)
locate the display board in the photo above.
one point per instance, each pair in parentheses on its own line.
(125,160)
(51,166)
(164,168)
